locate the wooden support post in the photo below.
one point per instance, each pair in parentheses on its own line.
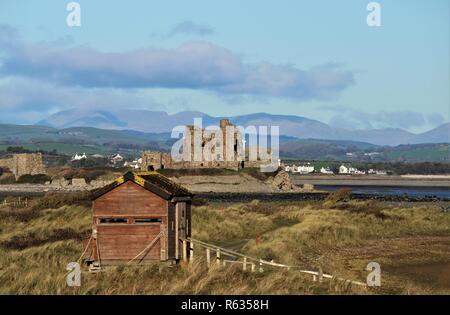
(218,257)
(260,266)
(208,257)
(163,243)
(191,253)
(320,274)
(314,278)
(253,267)
(245,264)
(184,251)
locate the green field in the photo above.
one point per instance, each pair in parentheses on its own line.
(62,148)
(438,153)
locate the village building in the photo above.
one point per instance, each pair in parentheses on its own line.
(305,169)
(116,159)
(376,172)
(136,164)
(349,170)
(78,157)
(343,169)
(139,218)
(326,170)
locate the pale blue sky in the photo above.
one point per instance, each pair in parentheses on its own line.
(396,75)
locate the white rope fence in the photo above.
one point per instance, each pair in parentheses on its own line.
(317,275)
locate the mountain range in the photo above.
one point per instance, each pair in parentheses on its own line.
(293,126)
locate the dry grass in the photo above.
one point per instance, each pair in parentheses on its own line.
(341,240)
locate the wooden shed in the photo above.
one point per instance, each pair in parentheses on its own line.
(140,217)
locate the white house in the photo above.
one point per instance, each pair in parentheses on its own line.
(343,170)
(116,158)
(349,170)
(133,164)
(377,172)
(287,168)
(78,157)
(356,171)
(305,169)
(326,170)
(372,154)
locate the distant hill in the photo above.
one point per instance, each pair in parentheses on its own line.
(437,135)
(294,126)
(131,142)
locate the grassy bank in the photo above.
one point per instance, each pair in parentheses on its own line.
(339,235)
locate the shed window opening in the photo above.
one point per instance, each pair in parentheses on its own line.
(113,221)
(147,220)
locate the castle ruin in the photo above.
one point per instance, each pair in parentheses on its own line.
(228,152)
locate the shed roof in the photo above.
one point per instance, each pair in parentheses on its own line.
(151,181)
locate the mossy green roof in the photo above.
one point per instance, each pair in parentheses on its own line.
(152,181)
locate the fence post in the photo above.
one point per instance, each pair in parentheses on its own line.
(218,256)
(253,267)
(245,263)
(260,266)
(320,274)
(184,251)
(208,257)
(191,253)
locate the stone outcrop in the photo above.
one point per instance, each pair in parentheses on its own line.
(60,182)
(308,187)
(98,183)
(79,182)
(281,181)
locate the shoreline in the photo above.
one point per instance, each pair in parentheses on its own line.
(386,181)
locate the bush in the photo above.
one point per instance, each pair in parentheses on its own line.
(256,173)
(21,215)
(199,202)
(195,172)
(264,208)
(340,195)
(7,179)
(22,241)
(33,179)
(87,174)
(54,200)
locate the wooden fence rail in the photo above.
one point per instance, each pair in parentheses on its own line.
(16,203)
(252,261)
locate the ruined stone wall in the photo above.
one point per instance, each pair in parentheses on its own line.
(24,164)
(216,156)
(28,163)
(7,163)
(151,160)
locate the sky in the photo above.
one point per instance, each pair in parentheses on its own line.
(317,59)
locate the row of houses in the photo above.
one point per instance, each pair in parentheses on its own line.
(343,169)
(306,169)
(302,169)
(115,159)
